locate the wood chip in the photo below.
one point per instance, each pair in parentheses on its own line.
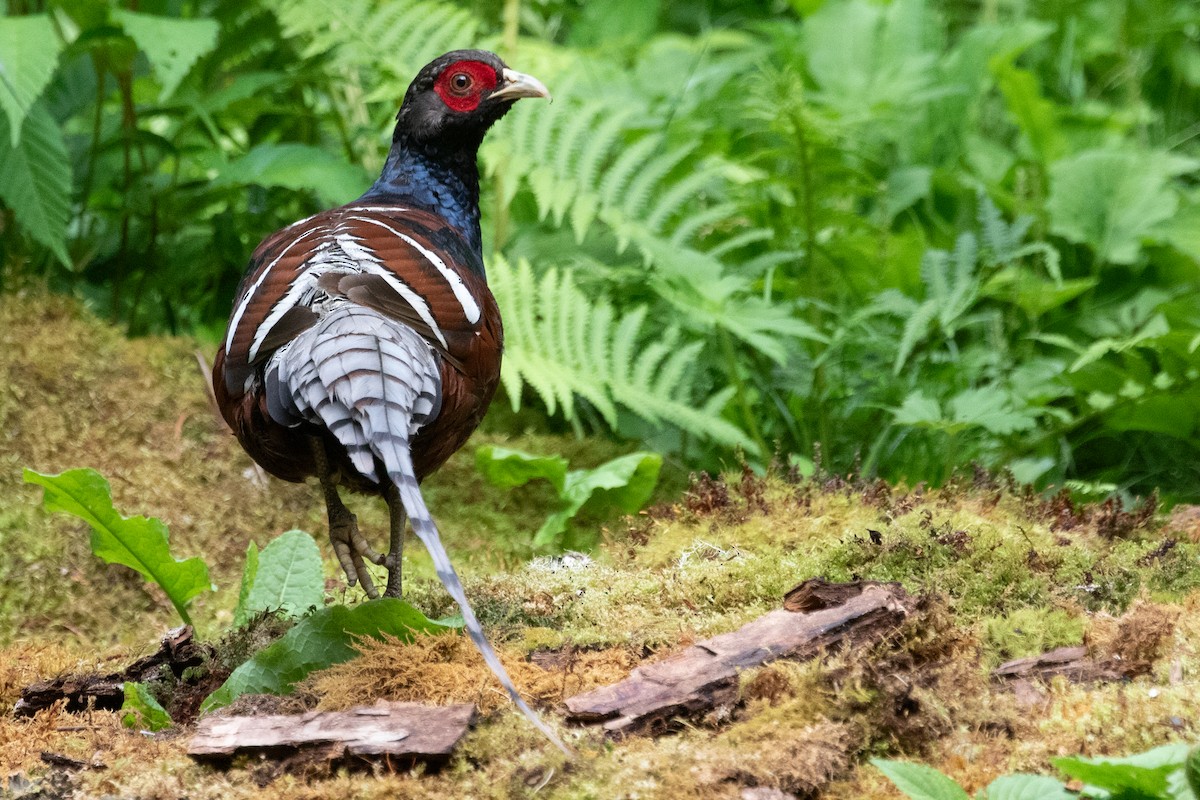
(408,732)
(815,594)
(704,676)
(1073,663)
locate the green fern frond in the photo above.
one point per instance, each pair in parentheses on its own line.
(697,221)
(397,37)
(915,328)
(594,157)
(565,346)
(637,193)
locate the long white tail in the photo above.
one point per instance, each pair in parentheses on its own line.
(414,504)
(373,383)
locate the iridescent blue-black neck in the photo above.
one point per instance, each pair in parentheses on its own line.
(438,179)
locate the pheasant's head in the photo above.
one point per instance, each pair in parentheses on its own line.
(457,97)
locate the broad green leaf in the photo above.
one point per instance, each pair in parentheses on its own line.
(29,50)
(1182,230)
(990,408)
(142,710)
(1166,413)
(322,639)
(1026,787)
(35,180)
(865,56)
(920,782)
(171,44)
(1191,770)
(297,166)
(249,575)
(626,482)
(1111,199)
(288,578)
(1033,113)
(1029,470)
(919,409)
(1141,775)
(136,542)
(905,186)
(1156,326)
(1032,293)
(629,20)
(508,468)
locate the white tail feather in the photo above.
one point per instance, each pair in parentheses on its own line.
(373,383)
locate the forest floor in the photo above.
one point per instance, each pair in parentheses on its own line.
(1001,573)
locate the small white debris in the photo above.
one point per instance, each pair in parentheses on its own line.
(570,561)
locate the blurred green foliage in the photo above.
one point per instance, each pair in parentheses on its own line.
(907,235)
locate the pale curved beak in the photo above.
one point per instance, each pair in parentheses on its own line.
(515,85)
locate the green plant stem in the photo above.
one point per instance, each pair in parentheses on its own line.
(500,217)
(88,176)
(128,121)
(808,209)
(739,385)
(809,212)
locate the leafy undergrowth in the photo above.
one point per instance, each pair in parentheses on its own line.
(1002,572)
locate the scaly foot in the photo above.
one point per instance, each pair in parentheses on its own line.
(352,548)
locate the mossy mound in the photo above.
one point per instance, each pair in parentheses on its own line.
(1002,573)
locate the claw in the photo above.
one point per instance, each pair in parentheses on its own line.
(352,550)
(349,545)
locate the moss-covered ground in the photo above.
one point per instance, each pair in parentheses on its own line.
(1002,573)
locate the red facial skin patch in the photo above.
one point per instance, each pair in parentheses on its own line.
(460,95)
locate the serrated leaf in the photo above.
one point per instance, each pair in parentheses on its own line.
(918,409)
(136,542)
(288,578)
(322,639)
(35,180)
(297,166)
(29,50)
(142,710)
(509,468)
(920,782)
(990,408)
(1026,787)
(171,44)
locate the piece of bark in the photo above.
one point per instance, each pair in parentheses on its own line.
(401,732)
(705,675)
(815,594)
(1072,663)
(177,651)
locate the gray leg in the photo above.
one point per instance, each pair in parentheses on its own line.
(394,560)
(348,543)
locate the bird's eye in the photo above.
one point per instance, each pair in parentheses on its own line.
(461,82)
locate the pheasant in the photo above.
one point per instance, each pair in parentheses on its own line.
(364,345)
